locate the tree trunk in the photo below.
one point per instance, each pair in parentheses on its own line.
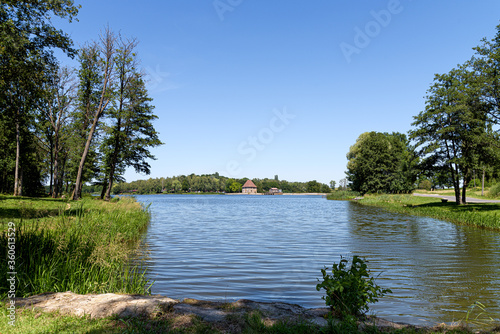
(51,189)
(114,160)
(482,182)
(464,190)
(20,185)
(456,184)
(56,176)
(77,192)
(18,153)
(104,187)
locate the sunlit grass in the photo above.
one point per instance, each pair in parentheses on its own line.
(81,246)
(33,321)
(485,215)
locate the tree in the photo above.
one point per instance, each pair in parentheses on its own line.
(453,132)
(332,184)
(27,40)
(132,132)
(381,163)
(56,113)
(99,56)
(313,187)
(486,66)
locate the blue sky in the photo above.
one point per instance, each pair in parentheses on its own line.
(254,88)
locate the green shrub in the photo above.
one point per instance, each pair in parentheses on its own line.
(349,290)
(425,184)
(495,190)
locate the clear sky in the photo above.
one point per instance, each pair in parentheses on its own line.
(255,88)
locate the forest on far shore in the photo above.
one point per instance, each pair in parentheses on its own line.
(209,183)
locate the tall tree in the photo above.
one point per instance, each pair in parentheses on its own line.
(486,66)
(101,57)
(381,162)
(61,96)
(131,132)
(27,38)
(453,131)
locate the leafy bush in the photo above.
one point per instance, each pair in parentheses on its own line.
(349,290)
(495,190)
(425,184)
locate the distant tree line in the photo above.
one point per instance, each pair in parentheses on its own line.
(67,126)
(454,140)
(213,183)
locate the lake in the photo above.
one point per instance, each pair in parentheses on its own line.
(271,248)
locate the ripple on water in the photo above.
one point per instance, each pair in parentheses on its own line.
(269,248)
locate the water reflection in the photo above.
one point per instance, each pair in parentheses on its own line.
(273,247)
(435,269)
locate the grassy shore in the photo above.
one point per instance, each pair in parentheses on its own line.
(32,321)
(61,245)
(483,215)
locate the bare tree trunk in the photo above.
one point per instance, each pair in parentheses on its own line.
(464,188)
(56,176)
(482,182)
(18,153)
(77,192)
(114,160)
(51,189)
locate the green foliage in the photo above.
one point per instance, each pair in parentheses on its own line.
(425,184)
(207,183)
(235,187)
(350,290)
(313,186)
(381,162)
(494,190)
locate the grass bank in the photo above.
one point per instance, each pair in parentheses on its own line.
(81,246)
(483,215)
(32,321)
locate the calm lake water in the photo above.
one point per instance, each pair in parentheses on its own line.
(271,248)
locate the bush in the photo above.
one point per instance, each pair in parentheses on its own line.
(348,291)
(425,184)
(495,190)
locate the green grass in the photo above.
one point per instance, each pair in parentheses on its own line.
(484,215)
(342,195)
(474,192)
(32,321)
(83,246)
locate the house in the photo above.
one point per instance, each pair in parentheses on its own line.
(275,191)
(249,188)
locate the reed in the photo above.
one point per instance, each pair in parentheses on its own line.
(82,247)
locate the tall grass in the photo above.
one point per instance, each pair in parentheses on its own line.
(343,195)
(81,247)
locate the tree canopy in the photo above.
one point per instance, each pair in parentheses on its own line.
(381,162)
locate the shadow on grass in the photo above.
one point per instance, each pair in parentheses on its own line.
(36,199)
(24,213)
(472,207)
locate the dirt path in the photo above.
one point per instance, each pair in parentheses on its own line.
(452,198)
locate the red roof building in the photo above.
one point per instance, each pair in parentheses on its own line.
(249,188)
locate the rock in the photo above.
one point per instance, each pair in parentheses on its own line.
(98,306)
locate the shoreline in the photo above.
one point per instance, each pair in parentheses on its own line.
(217,313)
